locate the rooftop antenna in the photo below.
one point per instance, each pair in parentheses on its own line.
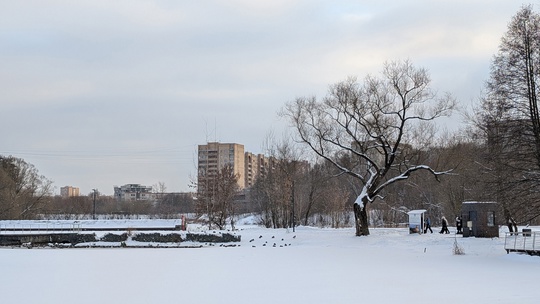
(207,133)
(215,130)
(206,130)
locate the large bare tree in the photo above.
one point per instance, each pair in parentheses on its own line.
(371,123)
(515,72)
(509,119)
(23,191)
(215,198)
(278,189)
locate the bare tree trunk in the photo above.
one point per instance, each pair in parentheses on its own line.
(510,222)
(361,220)
(310,204)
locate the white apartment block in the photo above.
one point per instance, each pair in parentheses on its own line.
(133,192)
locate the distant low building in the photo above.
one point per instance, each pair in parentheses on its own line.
(480,219)
(133,192)
(69,191)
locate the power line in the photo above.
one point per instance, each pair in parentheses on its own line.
(155,155)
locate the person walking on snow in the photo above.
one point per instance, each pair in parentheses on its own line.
(459,225)
(444,225)
(427,225)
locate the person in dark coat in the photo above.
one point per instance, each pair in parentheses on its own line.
(427,225)
(444,225)
(459,225)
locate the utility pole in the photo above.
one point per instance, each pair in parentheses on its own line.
(94,212)
(293,215)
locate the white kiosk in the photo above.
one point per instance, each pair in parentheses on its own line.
(416,221)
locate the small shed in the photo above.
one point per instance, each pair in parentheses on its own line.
(479,219)
(416,221)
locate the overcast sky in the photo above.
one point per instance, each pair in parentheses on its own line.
(102,93)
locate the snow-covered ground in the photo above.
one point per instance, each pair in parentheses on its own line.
(310,265)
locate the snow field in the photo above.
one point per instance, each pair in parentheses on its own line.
(319,266)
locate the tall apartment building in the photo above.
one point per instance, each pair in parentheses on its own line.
(255,165)
(213,156)
(133,192)
(69,191)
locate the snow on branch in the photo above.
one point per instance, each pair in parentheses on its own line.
(405,175)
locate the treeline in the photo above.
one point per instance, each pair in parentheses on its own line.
(25,194)
(168,206)
(321,195)
(297,191)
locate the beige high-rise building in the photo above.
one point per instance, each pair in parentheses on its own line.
(213,156)
(256,165)
(69,191)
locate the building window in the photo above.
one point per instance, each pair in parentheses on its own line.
(491,218)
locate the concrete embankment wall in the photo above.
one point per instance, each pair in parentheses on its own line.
(42,239)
